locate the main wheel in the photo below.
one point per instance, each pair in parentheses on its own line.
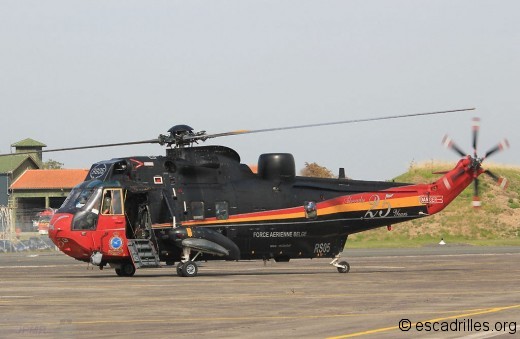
(189,269)
(127,269)
(345,267)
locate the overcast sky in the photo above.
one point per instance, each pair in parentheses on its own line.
(76,73)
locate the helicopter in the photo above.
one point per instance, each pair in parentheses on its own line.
(201,203)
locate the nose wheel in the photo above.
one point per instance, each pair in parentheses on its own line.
(127,269)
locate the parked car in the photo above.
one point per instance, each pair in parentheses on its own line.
(49,242)
(6,246)
(44,218)
(36,243)
(21,246)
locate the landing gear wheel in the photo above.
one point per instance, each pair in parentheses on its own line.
(189,269)
(345,267)
(127,269)
(179,269)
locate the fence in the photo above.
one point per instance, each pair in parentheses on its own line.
(6,223)
(13,240)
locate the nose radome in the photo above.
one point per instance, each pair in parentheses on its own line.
(59,223)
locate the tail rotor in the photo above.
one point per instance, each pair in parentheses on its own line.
(476,161)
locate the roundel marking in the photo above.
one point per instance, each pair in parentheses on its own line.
(98,171)
(116,243)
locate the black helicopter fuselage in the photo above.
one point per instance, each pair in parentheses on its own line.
(205,199)
(137,212)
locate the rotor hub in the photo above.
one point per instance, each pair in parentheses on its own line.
(181,136)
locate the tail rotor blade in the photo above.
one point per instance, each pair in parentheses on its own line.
(448,143)
(492,175)
(501,181)
(504,144)
(476,198)
(476,128)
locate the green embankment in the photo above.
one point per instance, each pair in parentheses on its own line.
(497,222)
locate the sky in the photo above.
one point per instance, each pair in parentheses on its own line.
(75,73)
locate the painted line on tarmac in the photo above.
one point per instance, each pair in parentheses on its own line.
(412,325)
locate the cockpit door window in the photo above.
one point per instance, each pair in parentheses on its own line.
(112,203)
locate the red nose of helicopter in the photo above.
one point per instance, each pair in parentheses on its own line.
(75,244)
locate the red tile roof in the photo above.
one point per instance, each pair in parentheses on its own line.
(53,178)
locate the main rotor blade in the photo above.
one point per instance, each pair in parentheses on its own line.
(151,141)
(203,137)
(239,132)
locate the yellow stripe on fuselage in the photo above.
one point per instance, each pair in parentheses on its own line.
(404,202)
(368,205)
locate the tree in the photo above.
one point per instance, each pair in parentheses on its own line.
(315,170)
(52,164)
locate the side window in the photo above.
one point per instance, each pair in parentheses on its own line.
(221,210)
(311,211)
(197,210)
(112,202)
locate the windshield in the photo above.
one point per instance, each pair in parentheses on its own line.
(79,196)
(87,208)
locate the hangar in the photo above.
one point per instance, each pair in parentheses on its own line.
(39,189)
(26,188)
